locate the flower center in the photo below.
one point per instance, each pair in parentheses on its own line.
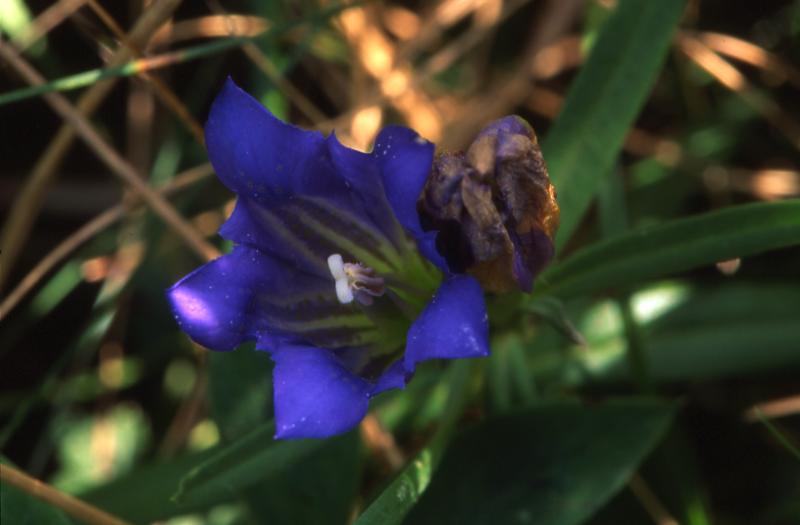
(355,281)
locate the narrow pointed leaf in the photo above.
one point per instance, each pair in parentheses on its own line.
(675,247)
(253,458)
(604,100)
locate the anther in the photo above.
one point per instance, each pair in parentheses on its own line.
(354,281)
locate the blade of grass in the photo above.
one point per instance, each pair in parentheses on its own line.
(115,162)
(28,201)
(161,89)
(88,231)
(676,246)
(604,101)
(255,457)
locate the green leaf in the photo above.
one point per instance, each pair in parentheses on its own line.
(551,310)
(396,500)
(707,333)
(603,102)
(143,496)
(320,488)
(125,426)
(676,246)
(402,494)
(556,463)
(239,389)
(722,350)
(253,458)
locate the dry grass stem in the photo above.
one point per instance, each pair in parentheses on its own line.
(72,506)
(787,406)
(29,200)
(751,54)
(639,142)
(211,26)
(509,92)
(260,60)
(101,222)
(162,91)
(118,165)
(381,443)
(730,77)
(650,502)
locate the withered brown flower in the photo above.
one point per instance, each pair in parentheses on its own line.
(494,207)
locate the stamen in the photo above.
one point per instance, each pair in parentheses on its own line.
(354,281)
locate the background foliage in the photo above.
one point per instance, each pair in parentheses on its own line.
(650,378)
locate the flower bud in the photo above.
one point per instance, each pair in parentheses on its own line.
(494,207)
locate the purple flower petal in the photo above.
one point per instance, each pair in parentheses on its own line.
(362,173)
(258,156)
(405,159)
(211,303)
(395,376)
(315,395)
(453,325)
(512,125)
(243,296)
(267,229)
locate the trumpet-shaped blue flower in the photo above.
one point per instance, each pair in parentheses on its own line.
(332,272)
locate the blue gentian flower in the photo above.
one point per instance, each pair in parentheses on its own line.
(332,272)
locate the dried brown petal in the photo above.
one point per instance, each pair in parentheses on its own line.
(494,207)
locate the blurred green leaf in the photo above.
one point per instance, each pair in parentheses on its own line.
(732,330)
(400,496)
(510,382)
(403,492)
(676,246)
(143,496)
(604,101)
(20,508)
(551,310)
(57,288)
(15,18)
(240,387)
(253,458)
(556,463)
(320,488)
(714,350)
(97,448)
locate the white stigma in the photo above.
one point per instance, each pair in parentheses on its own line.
(354,281)
(336,266)
(343,291)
